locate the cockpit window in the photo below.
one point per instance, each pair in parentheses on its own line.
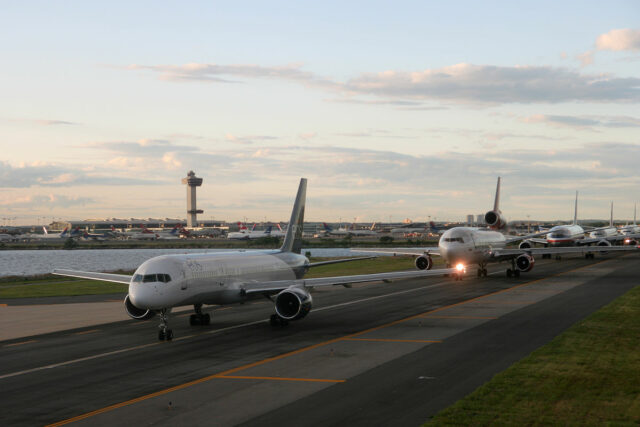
(454,239)
(148,278)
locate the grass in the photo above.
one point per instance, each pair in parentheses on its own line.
(49,285)
(588,375)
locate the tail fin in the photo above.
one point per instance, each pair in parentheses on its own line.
(496,203)
(611,220)
(45,230)
(432,226)
(575,212)
(64,232)
(293,238)
(326,227)
(634,214)
(268,230)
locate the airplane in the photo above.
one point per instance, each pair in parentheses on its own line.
(409,230)
(46,236)
(168,235)
(631,229)
(249,235)
(145,234)
(464,246)
(168,281)
(575,235)
(349,232)
(7,238)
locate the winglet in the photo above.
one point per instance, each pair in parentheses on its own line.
(496,203)
(575,212)
(293,238)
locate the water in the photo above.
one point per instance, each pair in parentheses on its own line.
(32,262)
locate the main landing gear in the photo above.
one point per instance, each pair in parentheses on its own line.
(164,333)
(199,318)
(482,271)
(276,321)
(513,271)
(589,255)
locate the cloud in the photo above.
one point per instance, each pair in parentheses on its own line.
(584,122)
(619,40)
(586,58)
(43,122)
(248,139)
(460,83)
(41,174)
(49,201)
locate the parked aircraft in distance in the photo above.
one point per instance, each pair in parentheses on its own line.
(7,237)
(46,236)
(168,281)
(470,245)
(411,230)
(349,231)
(249,235)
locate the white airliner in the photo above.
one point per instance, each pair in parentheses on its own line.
(631,229)
(252,234)
(575,235)
(464,246)
(46,236)
(350,231)
(168,281)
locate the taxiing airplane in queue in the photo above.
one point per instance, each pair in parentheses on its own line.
(350,231)
(46,236)
(250,235)
(631,229)
(168,281)
(465,246)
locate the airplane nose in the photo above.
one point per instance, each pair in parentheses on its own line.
(143,295)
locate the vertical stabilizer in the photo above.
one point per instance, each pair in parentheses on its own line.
(611,219)
(293,238)
(496,203)
(634,214)
(575,211)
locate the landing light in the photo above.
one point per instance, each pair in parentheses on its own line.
(460,267)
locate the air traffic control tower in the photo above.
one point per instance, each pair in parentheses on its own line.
(192,182)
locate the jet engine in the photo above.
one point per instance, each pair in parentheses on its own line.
(495,220)
(526,244)
(525,262)
(293,303)
(135,312)
(604,243)
(424,262)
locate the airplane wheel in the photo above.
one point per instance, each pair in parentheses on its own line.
(169,335)
(485,272)
(161,335)
(479,272)
(516,273)
(193,319)
(558,257)
(274,320)
(509,272)
(206,319)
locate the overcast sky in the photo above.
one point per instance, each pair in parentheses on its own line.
(390,109)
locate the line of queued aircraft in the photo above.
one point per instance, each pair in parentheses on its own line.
(168,281)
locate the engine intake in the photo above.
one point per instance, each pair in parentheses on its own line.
(424,262)
(525,262)
(293,303)
(495,220)
(135,312)
(525,245)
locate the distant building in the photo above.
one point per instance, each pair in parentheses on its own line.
(480,219)
(470,220)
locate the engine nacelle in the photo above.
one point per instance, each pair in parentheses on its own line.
(293,303)
(525,262)
(604,243)
(424,262)
(495,220)
(526,244)
(135,312)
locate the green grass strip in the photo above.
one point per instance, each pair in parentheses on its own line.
(588,375)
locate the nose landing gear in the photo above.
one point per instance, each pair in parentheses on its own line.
(164,333)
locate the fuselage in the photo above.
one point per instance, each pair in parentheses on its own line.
(468,245)
(630,229)
(565,235)
(603,233)
(216,278)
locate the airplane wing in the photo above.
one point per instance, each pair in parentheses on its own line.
(106,277)
(503,253)
(539,241)
(512,239)
(400,251)
(278,285)
(337,261)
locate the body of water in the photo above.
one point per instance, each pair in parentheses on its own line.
(32,262)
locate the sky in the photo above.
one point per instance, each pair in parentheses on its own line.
(392,110)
